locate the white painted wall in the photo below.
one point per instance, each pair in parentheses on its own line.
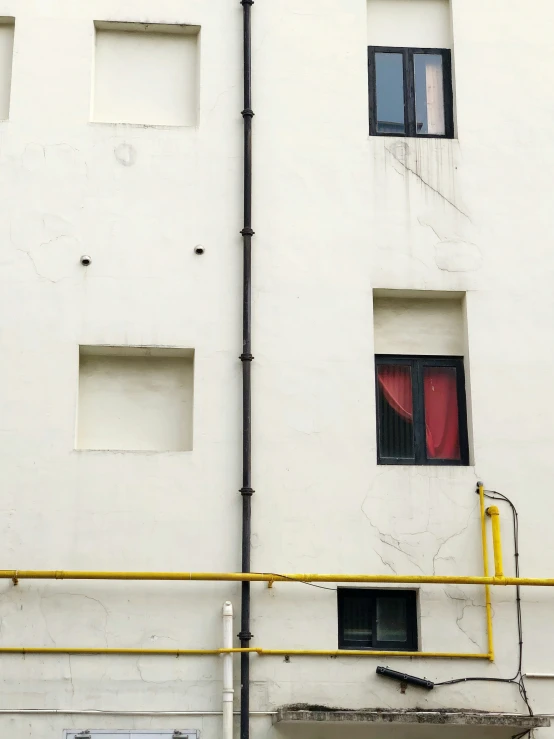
(337,215)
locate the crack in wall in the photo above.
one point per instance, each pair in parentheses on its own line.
(47,629)
(71,676)
(76,595)
(427,184)
(428,225)
(468,603)
(444,542)
(384,561)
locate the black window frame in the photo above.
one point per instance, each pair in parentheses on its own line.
(417,363)
(370,595)
(409,91)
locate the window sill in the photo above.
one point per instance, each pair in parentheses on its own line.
(452,472)
(412,138)
(404,463)
(144,452)
(405,648)
(158,126)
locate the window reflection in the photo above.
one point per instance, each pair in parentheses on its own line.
(390,93)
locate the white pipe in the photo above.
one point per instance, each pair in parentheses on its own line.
(227,671)
(545,675)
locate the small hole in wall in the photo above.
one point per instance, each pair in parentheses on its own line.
(135,399)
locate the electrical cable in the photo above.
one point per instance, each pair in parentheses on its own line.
(518,677)
(302,582)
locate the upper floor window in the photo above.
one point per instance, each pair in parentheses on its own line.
(421,410)
(410,92)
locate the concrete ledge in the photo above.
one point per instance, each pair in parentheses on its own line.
(431,718)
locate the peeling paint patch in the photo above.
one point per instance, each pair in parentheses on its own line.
(126,154)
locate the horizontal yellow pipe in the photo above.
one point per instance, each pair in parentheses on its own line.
(213,652)
(365,653)
(120,651)
(270,577)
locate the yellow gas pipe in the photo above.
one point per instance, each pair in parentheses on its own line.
(17,575)
(494,514)
(486,580)
(255,650)
(488,604)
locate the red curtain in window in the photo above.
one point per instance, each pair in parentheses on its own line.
(396,384)
(440,395)
(440,402)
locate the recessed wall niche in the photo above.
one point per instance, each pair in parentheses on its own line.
(135,399)
(145,73)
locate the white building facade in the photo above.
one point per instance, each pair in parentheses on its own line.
(401,312)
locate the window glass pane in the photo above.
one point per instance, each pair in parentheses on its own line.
(356,619)
(392,620)
(429,94)
(442,422)
(396,431)
(389,75)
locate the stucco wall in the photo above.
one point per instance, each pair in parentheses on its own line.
(337,215)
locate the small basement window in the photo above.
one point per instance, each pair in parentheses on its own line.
(410,92)
(377,619)
(421,410)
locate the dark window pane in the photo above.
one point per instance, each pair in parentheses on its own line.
(429,94)
(356,615)
(389,75)
(396,431)
(392,620)
(442,423)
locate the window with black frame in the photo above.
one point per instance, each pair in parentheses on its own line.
(377,619)
(421,410)
(410,92)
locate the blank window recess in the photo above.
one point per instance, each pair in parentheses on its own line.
(146,74)
(135,399)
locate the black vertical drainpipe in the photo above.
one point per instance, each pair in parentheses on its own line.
(246,358)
